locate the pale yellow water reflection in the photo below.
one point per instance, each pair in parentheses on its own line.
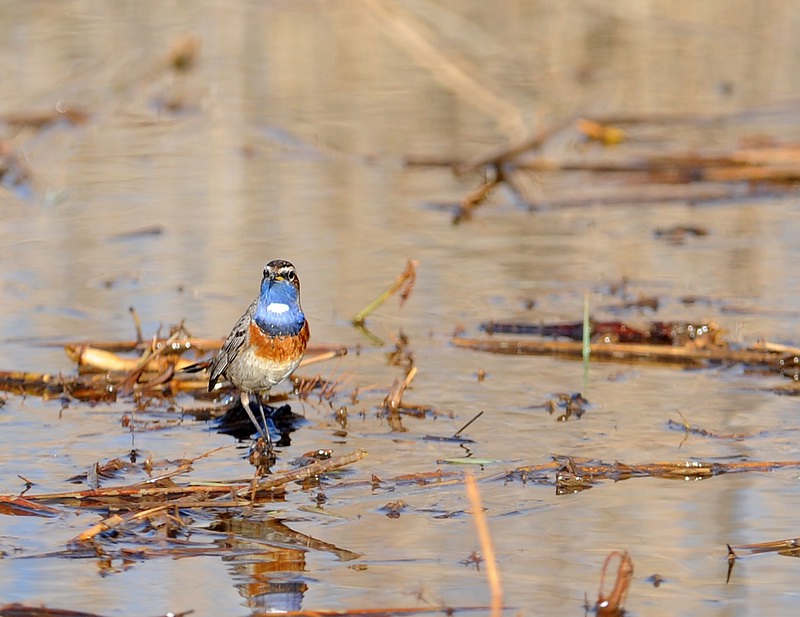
(287,139)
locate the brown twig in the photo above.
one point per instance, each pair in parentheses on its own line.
(404,283)
(789,547)
(377,612)
(613,605)
(463,428)
(137,325)
(622,352)
(668,470)
(497,156)
(688,429)
(324,356)
(114,521)
(487,547)
(22,610)
(137,495)
(128,384)
(188,343)
(693,194)
(394,400)
(314,469)
(19,506)
(155,368)
(476,197)
(732,557)
(93,359)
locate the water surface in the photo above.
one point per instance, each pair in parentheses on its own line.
(288,139)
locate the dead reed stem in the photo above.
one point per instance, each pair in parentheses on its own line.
(404,283)
(487,548)
(462,77)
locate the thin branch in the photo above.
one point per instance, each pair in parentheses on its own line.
(487,547)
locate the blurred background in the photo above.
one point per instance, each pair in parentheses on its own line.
(288,135)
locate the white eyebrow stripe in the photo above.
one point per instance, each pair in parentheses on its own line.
(277,307)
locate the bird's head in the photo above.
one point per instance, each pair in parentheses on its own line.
(278,311)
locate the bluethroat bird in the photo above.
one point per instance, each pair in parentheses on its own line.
(267,343)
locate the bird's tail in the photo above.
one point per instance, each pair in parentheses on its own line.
(196,367)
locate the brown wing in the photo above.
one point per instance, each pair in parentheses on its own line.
(230,348)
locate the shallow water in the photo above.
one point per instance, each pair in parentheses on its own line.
(287,140)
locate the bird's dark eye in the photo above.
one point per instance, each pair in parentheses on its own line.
(290,275)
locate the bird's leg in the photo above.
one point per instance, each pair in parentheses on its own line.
(264,432)
(264,420)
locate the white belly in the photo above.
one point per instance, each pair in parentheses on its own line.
(255,374)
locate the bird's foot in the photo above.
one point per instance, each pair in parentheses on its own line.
(262,456)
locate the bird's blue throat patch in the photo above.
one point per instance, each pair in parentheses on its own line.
(278,312)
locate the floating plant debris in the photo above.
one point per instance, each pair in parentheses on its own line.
(670,342)
(656,333)
(752,170)
(691,429)
(157,368)
(677,234)
(570,474)
(788,548)
(570,404)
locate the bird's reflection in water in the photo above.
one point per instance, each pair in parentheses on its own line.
(273,579)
